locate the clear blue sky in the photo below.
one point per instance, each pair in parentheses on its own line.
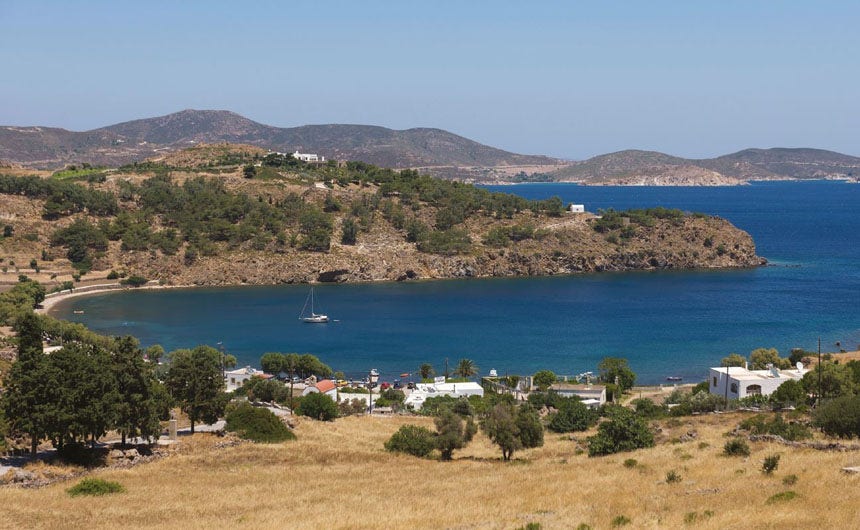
(570,79)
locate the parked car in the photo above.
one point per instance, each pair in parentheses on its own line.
(385,385)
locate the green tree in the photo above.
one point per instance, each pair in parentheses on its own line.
(137,408)
(760,358)
(543,379)
(836,380)
(194,380)
(349,231)
(249,172)
(466,368)
(272,363)
(839,417)
(572,416)
(450,433)
(318,406)
(789,393)
(30,395)
(426,371)
(530,427)
(733,359)
(412,440)
(614,370)
(624,431)
(500,426)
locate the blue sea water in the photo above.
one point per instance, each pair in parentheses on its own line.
(665,323)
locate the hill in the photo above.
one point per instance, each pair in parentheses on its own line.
(228,215)
(634,167)
(42,147)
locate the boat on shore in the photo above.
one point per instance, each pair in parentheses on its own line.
(674,378)
(312,317)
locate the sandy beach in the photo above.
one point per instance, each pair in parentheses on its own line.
(52,299)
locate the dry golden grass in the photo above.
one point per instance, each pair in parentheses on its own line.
(337,475)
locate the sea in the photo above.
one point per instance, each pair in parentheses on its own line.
(666,323)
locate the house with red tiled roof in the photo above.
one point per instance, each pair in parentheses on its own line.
(326,386)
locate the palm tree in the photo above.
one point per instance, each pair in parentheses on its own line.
(426,371)
(466,368)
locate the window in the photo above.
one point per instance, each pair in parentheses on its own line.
(715,382)
(734,388)
(754,390)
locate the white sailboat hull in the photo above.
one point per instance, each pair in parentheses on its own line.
(315,319)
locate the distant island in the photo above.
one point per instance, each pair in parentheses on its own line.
(238,214)
(428,150)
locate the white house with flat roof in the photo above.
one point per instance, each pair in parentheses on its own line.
(308,157)
(736,382)
(424,391)
(576,208)
(236,378)
(591,395)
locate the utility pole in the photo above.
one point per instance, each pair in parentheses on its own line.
(446,368)
(819,372)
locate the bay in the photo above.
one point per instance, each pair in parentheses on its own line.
(665,323)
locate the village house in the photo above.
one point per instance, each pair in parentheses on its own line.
(236,378)
(592,396)
(736,382)
(424,391)
(576,208)
(326,386)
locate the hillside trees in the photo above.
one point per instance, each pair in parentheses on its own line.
(615,371)
(623,431)
(80,391)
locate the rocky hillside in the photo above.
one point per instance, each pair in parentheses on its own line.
(42,147)
(658,169)
(217,226)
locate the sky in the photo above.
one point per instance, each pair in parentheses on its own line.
(568,79)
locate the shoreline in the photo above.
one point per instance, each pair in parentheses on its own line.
(52,299)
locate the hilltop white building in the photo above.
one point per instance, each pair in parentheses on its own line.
(736,382)
(308,157)
(576,208)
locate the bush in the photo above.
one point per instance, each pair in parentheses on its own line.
(736,447)
(257,424)
(318,406)
(758,424)
(572,416)
(781,497)
(673,477)
(839,417)
(630,463)
(134,281)
(95,487)
(623,432)
(412,440)
(770,464)
(113,275)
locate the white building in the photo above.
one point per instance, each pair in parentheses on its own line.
(326,386)
(424,391)
(592,396)
(236,378)
(736,382)
(576,208)
(308,157)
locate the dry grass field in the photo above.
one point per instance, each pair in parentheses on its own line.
(337,475)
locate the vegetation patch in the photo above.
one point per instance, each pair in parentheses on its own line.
(782,496)
(736,447)
(257,424)
(95,487)
(412,440)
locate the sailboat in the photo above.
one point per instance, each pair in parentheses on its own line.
(312,318)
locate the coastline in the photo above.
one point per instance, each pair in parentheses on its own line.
(52,299)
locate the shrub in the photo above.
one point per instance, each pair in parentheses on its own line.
(648,409)
(839,417)
(790,480)
(624,431)
(318,406)
(572,416)
(257,424)
(793,431)
(736,447)
(770,464)
(95,487)
(113,275)
(673,477)
(630,463)
(134,281)
(620,520)
(781,497)
(411,439)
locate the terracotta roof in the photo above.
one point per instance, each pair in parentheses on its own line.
(326,385)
